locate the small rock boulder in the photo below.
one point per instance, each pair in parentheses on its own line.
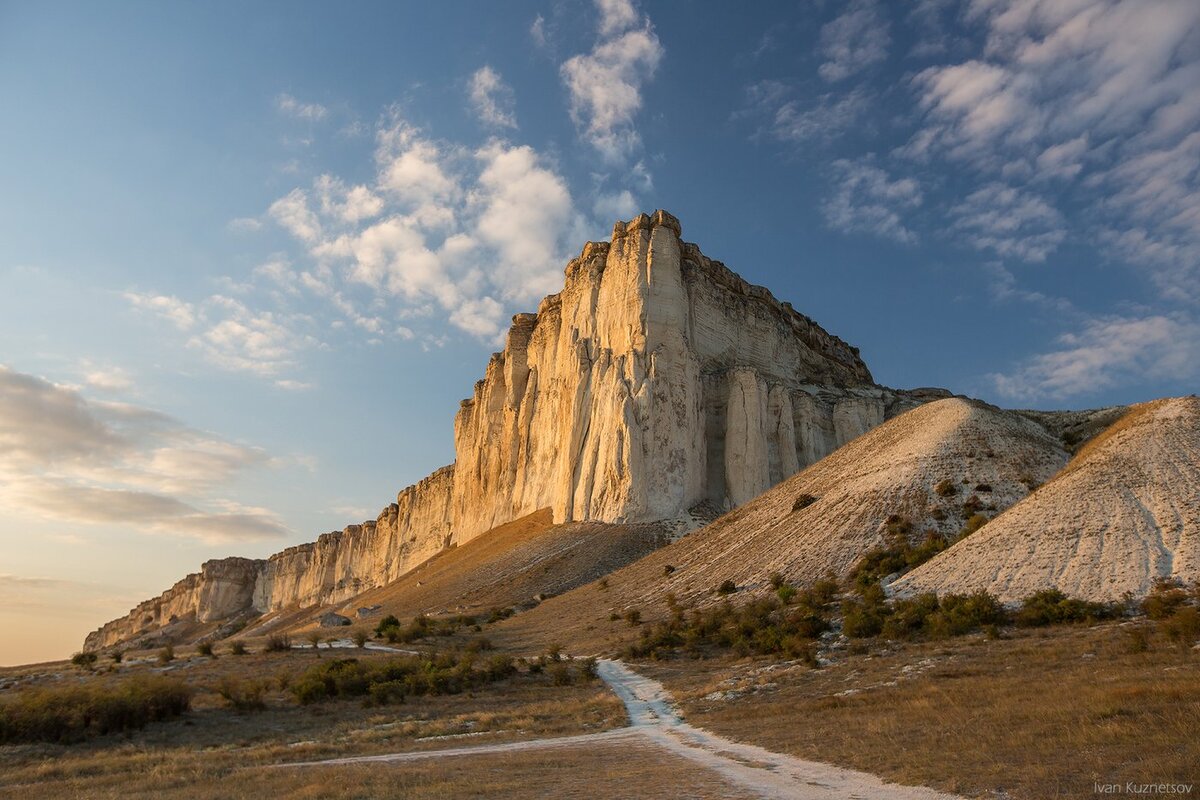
(331,620)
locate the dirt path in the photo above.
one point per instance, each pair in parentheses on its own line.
(654,720)
(766,773)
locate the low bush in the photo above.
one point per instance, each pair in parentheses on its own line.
(359,637)
(206,649)
(393,680)
(166,655)
(803,502)
(727,587)
(497,614)
(243,695)
(945,488)
(72,713)
(237,647)
(85,660)
(117,656)
(1183,627)
(278,643)
(633,617)
(423,626)
(1163,600)
(762,627)
(1052,607)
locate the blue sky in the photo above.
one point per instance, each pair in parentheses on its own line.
(253,255)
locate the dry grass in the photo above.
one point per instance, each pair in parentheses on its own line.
(201,755)
(1042,715)
(603,770)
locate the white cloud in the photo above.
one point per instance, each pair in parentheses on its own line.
(605,85)
(463,231)
(492,99)
(853,41)
(293,214)
(1107,352)
(66,457)
(313,112)
(1102,94)
(1009,222)
(229,334)
(106,379)
(241,339)
(867,200)
(182,315)
(537,31)
(789,120)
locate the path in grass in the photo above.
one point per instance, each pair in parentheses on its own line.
(654,720)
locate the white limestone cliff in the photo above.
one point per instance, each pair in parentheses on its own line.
(655,381)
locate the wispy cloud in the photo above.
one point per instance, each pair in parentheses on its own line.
(64,456)
(1009,222)
(492,99)
(290,106)
(1104,96)
(605,84)
(795,121)
(854,41)
(866,200)
(1106,352)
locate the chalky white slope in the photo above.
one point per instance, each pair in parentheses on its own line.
(893,469)
(1124,512)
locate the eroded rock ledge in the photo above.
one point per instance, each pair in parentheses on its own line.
(655,381)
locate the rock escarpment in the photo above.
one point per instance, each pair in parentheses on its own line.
(656,381)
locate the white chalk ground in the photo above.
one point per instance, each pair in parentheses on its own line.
(654,720)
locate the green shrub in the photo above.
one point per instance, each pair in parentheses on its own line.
(497,614)
(560,675)
(803,502)
(390,621)
(588,669)
(72,713)
(243,695)
(1163,600)
(85,660)
(776,580)
(387,693)
(1052,607)
(762,627)
(973,524)
(727,587)
(785,593)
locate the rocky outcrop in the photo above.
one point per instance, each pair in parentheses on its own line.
(656,381)
(221,589)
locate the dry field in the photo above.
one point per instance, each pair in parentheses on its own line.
(216,752)
(1043,714)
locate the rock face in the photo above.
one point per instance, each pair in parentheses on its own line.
(655,381)
(1124,513)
